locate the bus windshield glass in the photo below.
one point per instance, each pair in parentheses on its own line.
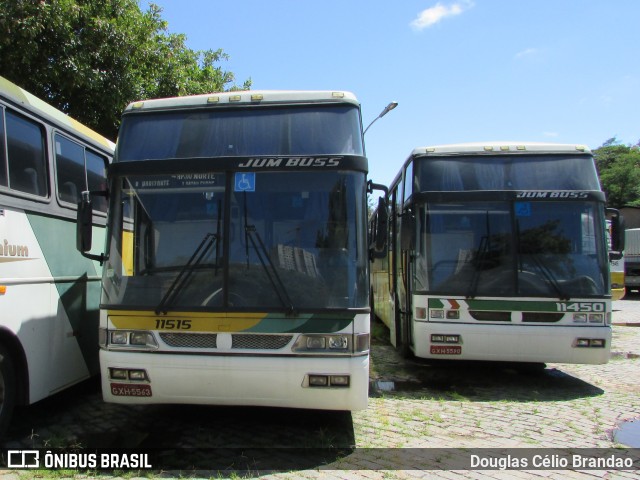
(517,248)
(268,240)
(322,129)
(512,172)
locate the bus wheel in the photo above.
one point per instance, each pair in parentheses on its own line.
(7,389)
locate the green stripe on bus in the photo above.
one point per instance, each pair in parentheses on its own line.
(80,298)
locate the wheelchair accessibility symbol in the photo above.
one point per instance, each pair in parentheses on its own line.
(245,182)
(523,209)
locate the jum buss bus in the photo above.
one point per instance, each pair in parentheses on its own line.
(498,252)
(236,269)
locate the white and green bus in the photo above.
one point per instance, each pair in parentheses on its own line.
(236,266)
(498,252)
(49,293)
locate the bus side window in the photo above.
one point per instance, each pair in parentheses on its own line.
(79,169)
(96,167)
(26,156)
(69,169)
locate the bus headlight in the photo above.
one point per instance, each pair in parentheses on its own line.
(134,340)
(334,344)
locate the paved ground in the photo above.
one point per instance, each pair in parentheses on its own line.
(413,406)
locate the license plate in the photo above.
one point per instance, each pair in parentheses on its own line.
(128,390)
(445,350)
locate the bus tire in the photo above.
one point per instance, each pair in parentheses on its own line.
(8,389)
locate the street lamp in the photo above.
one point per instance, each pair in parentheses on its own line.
(386,110)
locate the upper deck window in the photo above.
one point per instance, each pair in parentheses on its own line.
(303,130)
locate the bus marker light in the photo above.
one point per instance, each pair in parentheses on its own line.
(235,98)
(339,380)
(338,342)
(579,317)
(119,338)
(453,314)
(596,318)
(138,375)
(314,343)
(318,380)
(437,338)
(582,342)
(256,97)
(3,289)
(452,339)
(421,313)
(213,99)
(337,94)
(361,342)
(437,313)
(118,374)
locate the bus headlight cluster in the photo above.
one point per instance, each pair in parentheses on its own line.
(320,380)
(132,339)
(435,338)
(448,314)
(131,374)
(590,343)
(337,343)
(588,317)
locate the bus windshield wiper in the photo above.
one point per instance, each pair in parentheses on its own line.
(549,278)
(252,235)
(542,268)
(209,240)
(483,250)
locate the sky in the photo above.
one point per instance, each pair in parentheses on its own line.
(561,71)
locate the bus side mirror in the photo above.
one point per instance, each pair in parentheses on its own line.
(380,229)
(617,234)
(84,228)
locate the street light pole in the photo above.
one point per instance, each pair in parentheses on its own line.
(386,110)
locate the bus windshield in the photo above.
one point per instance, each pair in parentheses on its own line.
(268,240)
(512,172)
(515,248)
(321,129)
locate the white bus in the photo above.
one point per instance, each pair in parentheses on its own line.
(498,252)
(49,293)
(236,266)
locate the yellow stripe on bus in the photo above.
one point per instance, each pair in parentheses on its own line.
(185,321)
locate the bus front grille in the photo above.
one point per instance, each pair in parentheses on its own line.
(238,340)
(190,340)
(260,342)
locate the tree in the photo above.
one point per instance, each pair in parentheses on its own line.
(619,169)
(90,58)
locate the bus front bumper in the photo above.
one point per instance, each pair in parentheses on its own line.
(274,381)
(514,343)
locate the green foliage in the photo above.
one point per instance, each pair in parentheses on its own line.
(619,169)
(90,58)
